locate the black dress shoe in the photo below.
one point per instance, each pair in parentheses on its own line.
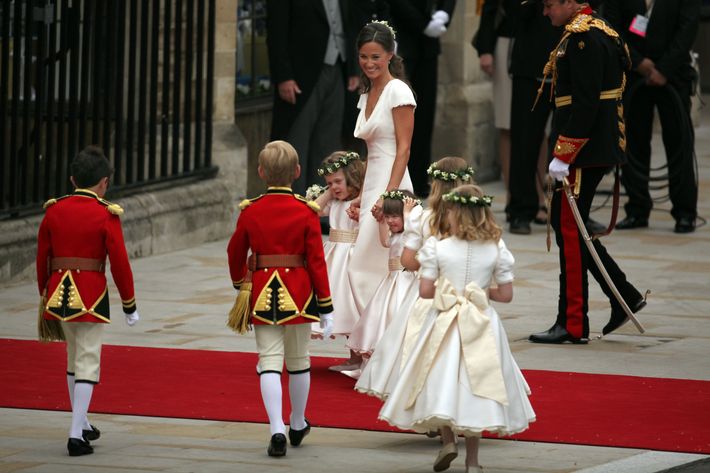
(594,227)
(520,226)
(556,334)
(91,435)
(296,436)
(619,317)
(78,447)
(632,221)
(684,225)
(277,446)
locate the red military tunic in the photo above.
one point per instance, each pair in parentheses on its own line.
(82,225)
(281,223)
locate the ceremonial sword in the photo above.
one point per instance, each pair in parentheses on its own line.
(595,256)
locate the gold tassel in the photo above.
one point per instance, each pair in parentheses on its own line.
(239,315)
(48,330)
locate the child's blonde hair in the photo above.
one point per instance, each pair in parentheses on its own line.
(354,171)
(278,161)
(438,224)
(474,221)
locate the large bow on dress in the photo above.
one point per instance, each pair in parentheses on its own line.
(478,345)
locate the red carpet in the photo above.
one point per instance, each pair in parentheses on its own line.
(608,410)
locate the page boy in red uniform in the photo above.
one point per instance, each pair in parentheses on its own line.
(77,233)
(289,286)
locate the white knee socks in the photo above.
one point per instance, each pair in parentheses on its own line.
(70,385)
(80,406)
(298,387)
(271,395)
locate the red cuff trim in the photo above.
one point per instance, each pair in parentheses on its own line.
(567,149)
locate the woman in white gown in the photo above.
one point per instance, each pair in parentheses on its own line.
(459,376)
(385,122)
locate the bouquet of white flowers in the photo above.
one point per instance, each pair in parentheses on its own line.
(315,191)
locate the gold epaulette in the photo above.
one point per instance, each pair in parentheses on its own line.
(310,203)
(53,201)
(583,23)
(111,207)
(247,202)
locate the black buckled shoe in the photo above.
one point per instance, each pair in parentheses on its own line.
(520,226)
(684,225)
(619,317)
(91,435)
(277,446)
(296,436)
(632,221)
(556,334)
(78,447)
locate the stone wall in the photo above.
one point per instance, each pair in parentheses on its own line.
(464,117)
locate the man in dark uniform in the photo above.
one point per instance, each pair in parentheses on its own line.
(660,35)
(77,233)
(587,69)
(289,287)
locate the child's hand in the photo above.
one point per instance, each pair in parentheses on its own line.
(409,204)
(354,210)
(376,210)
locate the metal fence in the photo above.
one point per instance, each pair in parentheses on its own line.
(133,76)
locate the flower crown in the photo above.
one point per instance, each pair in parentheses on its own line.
(397,195)
(468,200)
(463,174)
(315,191)
(388,26)
(340,163)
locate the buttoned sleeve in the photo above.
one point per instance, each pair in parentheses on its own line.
(427,259)
(504,267)
(43,253)
(412,236)
(315,264)
(237,250)
(120,266)
(586,65)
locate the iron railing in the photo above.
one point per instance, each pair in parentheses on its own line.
(133,76)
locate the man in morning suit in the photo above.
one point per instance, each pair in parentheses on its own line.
(312,59)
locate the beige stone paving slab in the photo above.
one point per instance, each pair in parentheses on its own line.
(181,445)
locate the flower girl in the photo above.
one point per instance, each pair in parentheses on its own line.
(459,375)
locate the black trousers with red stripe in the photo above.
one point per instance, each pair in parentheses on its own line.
(575,259)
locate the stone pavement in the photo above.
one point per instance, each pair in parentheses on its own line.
(184,297)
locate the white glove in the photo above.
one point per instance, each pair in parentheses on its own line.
(132,318)
(441,15)
(435,28)
(558,169)
(326,324)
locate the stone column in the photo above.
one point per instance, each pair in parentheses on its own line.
(464,117)
(229,150)
(225,60)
